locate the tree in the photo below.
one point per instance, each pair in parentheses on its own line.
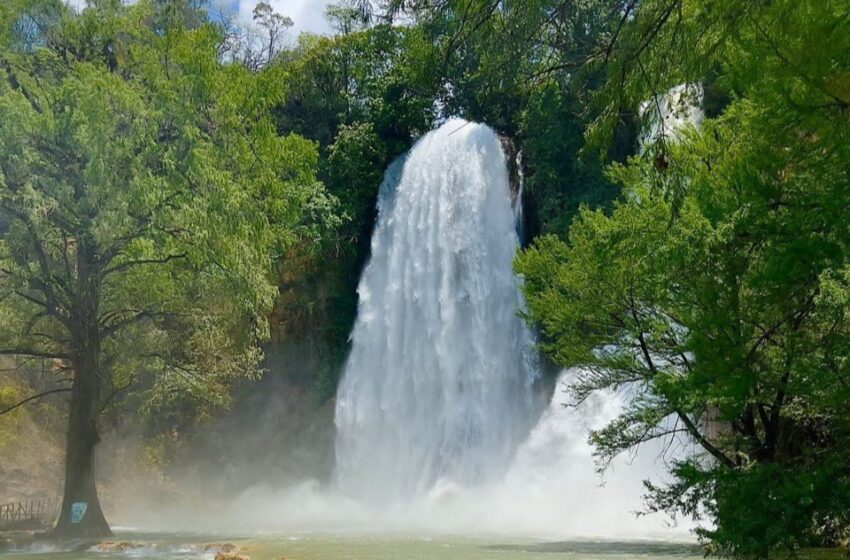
(717,287)
(346,17)
(274,25)
(145,199)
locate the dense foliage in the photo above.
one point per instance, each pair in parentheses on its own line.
(177,189)
(364,95)
(146,200)
(717,289)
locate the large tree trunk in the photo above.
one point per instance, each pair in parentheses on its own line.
(81,514)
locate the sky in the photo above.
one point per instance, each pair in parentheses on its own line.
(308,15)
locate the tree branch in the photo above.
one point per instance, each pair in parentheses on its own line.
(34,397)
(129,264)
(138,315)
(32,352)
(692,428)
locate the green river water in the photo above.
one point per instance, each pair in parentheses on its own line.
(363,547)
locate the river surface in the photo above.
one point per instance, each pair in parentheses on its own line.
(363,547)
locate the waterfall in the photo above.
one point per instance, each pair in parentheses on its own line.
(441,424)
(438,387)
(670,113)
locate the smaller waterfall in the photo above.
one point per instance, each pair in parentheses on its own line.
(668,114)
(553,485)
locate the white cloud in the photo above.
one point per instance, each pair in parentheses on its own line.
(80,4)
(308,15)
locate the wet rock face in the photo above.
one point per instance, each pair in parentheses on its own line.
(512,154)
(115,546)
(230,556)
(220,547)
(516,176)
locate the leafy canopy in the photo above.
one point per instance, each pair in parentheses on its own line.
(717,288)
(143,178)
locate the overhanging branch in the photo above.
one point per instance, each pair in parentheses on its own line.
(33,352)
(139,262)
(34,397)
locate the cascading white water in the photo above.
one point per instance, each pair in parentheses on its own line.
(438,388)
(671,112)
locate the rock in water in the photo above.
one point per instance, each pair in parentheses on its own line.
(220,547)
(230,556)
(115,546)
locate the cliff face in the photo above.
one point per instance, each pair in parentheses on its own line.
(31,437)
(31,468)
(514,156)
(516,178)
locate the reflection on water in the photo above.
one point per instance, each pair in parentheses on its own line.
(354,547)
(650,549)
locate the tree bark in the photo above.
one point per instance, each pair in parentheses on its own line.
(81,515)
